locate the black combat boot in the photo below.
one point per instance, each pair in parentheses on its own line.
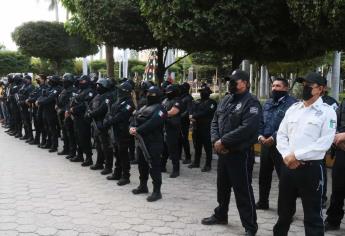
(142,188)
(88,161)
(78,158)
(156,194)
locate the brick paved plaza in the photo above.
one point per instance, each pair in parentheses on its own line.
(44,194)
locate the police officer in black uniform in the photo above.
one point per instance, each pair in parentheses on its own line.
(201,116)
(11,124)
(82,126)
(335,211)
(48,103)
(118,120)
(66,123)
(23,95)
(273,113)
(149,123)
(98,110)
(172,129)
(234,130)
(187,104)
(15,106)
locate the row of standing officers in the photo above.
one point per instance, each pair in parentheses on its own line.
(294,137)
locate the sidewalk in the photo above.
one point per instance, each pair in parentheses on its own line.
(44,194)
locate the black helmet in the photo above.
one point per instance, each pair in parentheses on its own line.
(172,88)
(28,77)
(122,80)
(105,83)
(206,89)
(145,85)
(54,78)
(154,91)
(84,78)
(165,84)
(125,87)
(68,77)
(185,87)
(17,78)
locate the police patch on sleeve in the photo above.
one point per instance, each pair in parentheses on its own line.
(90,94)
(254,110)
(54,91)
(332,124)
(161,114)
(107,101)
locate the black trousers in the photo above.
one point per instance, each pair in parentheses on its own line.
(235,172)
(155,171)
(335,212)
(104,150)
(69,129)
(270,159)
(122,164)
(307,183)
(65,139)
(52,122)
(172,148)
(184,141)
(131,148)
(202,138)
(82,131)
(25,114)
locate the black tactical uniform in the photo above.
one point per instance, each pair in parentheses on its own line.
(98,109)
(81,124)
(187,104)
(335,212)
(202,116)
(48,102)
(66,123)
(10,122)
(172,130)
(149,123)
(234,130)
(118,118)
(40,132)
(25,110)
(15,106)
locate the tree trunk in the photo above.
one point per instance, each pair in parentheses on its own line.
(160,65)
(109,56)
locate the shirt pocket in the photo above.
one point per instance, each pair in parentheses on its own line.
(313,128)
(292,125)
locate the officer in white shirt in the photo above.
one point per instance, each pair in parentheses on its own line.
(305,134)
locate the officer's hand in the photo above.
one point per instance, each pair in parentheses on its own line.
(291,162)
(67,114)
(262,140)
(219,147)
(340,137)
(269,141)
(133,131)
(56,107)
(36,103)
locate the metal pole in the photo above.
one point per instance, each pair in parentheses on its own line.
(336,74)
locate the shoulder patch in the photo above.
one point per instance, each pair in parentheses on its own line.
(161,114)
(90,94)
(254,110)
(332,124)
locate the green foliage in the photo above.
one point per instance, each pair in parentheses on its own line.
(98,65)
(113,22)
(46,66)
(139,69)
(49,40)
(254,29)
(13,62)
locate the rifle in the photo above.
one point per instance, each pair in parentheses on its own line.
(142,144)
(110,130)
(93,122)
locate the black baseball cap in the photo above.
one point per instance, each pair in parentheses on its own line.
(313,77)
(238,75)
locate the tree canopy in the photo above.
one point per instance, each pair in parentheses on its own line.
(50,40)
(13,62)
(254,29)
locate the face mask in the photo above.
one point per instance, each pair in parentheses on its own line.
(170,95)
(204,95)
(83,85)
(122,94)
(232,86)
(306,95)
(100,90)
(276,95)
(51,83)
(66,84)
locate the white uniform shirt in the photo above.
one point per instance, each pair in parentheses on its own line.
(308,132)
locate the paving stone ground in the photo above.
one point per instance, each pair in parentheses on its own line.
(44,194)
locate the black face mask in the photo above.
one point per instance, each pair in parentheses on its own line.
(122,94)
(170,95)
(306,95)
(276,95)
(83,85)
(101,90)
(67,84)
(150,100)
(204,95)
(232,86)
